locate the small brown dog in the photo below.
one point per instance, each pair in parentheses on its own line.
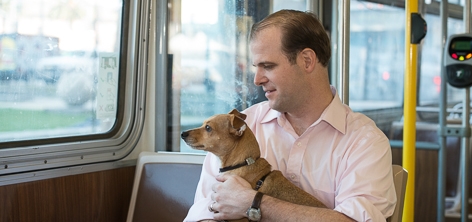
(228,137)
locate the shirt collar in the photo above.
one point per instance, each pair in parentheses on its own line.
(334,114)
(271,115)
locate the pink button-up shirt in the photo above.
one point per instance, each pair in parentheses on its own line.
(342,159)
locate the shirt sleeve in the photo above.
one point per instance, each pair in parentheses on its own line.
(199,210)
(366,189)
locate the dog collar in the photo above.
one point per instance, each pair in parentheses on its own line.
(248,162)
(261,181)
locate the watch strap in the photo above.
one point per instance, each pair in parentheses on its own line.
(256,203)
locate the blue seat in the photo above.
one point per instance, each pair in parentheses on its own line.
(164,186)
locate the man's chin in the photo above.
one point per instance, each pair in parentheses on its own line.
(275,106)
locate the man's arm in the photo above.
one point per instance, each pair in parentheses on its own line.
(234,195)
(274,209)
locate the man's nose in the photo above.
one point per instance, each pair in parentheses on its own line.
(259,77)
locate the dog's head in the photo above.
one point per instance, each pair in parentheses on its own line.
(218,134)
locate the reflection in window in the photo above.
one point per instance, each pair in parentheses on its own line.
(58,67)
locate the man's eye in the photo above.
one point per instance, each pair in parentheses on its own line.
(208,128)
(268,67)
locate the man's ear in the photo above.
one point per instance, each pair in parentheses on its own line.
(238,125)
(309,59)
(238,114)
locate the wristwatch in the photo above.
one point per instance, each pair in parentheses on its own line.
(254,212)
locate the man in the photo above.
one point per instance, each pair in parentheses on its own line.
(304,130)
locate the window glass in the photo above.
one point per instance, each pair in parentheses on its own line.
(430,78)
(457,2)
(291,4)
(59,65)
(211,70)
(376,58)
(377,61)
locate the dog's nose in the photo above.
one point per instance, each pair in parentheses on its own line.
(184,134)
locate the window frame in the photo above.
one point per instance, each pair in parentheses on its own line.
(35,155)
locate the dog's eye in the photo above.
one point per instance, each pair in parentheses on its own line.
(208,128)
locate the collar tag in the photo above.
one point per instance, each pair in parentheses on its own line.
(250,161)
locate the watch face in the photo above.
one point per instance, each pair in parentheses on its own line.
(254,214)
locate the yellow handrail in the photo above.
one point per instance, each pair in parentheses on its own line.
(409,112)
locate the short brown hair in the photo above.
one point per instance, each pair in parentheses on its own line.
(300,30)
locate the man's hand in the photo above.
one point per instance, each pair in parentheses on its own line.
(233,196)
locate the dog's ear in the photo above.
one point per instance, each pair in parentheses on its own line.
(238,125)
(238,114)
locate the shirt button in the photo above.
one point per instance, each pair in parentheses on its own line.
(299,144)
(292,177)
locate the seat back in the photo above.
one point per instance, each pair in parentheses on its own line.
(400,176)
(164,186)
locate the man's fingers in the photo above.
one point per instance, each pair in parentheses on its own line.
(221,177)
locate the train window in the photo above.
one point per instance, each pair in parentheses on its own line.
(58,68)
(430,70)
(377,58)
(211,71)
(69,86)
(457,2)
(376,61)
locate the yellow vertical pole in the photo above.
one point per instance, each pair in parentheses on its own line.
(409,112)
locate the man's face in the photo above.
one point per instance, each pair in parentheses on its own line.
(280,80)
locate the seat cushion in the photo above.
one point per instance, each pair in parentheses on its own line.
(166,191)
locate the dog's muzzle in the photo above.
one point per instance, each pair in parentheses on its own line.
(184,134)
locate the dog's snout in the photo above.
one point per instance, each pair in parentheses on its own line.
(184,134)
